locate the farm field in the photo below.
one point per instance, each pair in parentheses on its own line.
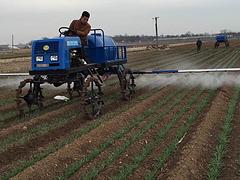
(173,128)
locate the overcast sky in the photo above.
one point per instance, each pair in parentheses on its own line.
(34,19)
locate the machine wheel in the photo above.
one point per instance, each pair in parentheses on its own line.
(92,98)
(127,83)
(69,90)
(227,44)
(33,97)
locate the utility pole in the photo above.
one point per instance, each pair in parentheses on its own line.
(156,28)
(12,43)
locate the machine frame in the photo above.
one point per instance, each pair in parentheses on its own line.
(84,78)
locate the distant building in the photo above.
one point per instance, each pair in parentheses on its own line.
(4,47)
(23,46)
(14,47)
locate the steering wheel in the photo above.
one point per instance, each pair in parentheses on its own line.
(65,31)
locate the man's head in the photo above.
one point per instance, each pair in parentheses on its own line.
(84,18)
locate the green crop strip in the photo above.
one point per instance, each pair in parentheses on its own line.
(6,101)
(11,100)
(35,113)
(49,105)
(118,135)
(162,59)
(135,61)
(152,124)
(216,162)
(179,135)
(19,139)
(176,61)
(234,60)
(238,161)
(213,59)
(23,164)
(232,56)
(156,63)
(227,58)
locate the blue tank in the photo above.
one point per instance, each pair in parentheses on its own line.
(221,38)
(102,49)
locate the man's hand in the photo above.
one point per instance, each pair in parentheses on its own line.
(71,32)
(79,33)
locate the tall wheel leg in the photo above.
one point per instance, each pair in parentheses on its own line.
(34,95)
(69,90)
(92,98)
(127,82)
(19,98)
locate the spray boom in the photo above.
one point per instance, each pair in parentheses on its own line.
(172,71)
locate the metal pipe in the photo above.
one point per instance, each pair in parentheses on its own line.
(14,74)
(167,71)
(172,71)
(210,70)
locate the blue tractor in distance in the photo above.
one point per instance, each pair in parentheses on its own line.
(221,39)
(64,60)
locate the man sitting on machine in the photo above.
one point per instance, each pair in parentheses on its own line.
(81,28)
